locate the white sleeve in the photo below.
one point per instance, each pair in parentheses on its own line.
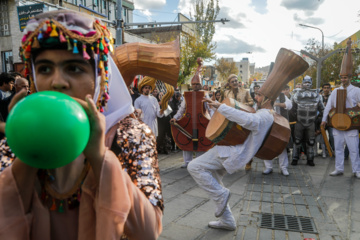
(249,121)
(137,103)
(157,106)
(181,111)
(288,103)
(329,105)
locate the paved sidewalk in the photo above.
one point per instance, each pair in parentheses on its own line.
(309,192)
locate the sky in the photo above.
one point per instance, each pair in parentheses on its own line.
(259,28)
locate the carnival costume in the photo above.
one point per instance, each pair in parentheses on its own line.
(209,169)
(343,103)
(127,201)
(149,105)
(306,105)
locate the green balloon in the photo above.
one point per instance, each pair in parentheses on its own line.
(47,129)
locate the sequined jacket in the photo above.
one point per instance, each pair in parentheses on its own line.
(135,145)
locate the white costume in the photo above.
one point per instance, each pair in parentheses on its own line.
(150,109)
(188,155)
(209,169)
(351,138)
(283,157)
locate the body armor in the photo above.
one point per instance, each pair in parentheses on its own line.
(307,103)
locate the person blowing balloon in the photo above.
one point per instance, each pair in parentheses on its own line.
(94,196)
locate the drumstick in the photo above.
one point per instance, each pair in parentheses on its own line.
(182,130)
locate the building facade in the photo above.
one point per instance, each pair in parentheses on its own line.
(12,21)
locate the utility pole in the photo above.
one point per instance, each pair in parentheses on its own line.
(319,62)
(119,23)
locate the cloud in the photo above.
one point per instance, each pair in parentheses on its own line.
(235,18)
(149,4)
(260,6)
(236,46)
(309,20)
(305,5)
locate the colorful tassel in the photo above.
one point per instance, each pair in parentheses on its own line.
(48,29)
(26,71)
(40,36)
(97,47)
(101,46)
(24,38)
(28,48)
(53,31)
(61,207)
(111,48)
(106,50)
(106,96)
(85,54)
(75,51)
(35,43)
(62,38)
(53,206)
(101,65)
(69,44)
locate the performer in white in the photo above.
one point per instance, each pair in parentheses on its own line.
(283,157)
(148,104)
(351,137)
(209,169)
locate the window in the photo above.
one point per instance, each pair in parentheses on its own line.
(4,19)
(240,66)
(7,61)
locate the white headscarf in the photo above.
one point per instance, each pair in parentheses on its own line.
(120,104)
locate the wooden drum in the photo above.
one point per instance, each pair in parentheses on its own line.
(276,140)
(221,131)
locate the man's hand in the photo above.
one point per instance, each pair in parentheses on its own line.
(95,148)
(323,123)
(173,120)
(17,97)
(211,103)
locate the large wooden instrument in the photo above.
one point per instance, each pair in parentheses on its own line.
(224,132)
(160,61)
(189,131)
(342,118)
(288,65)
(276,140)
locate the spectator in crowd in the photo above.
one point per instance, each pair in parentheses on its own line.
(6,85)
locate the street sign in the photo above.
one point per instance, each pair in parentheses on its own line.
(27,12)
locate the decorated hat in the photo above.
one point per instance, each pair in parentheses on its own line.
(147,81)
(231,76)
(288,66)
(76,32)
(347,62)
(197,76)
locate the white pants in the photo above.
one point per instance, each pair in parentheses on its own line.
(188,155)
(208,172)
(283,161)
(351,138)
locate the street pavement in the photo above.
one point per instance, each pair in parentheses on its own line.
(309,192)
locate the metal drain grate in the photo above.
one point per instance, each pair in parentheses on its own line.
(287,223)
